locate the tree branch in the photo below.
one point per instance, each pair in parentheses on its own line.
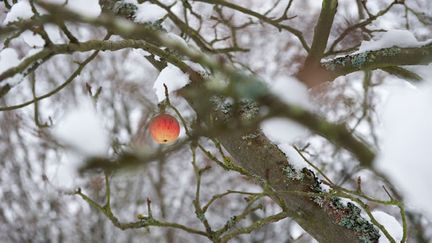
(370,60)
(323,219)
(310,74)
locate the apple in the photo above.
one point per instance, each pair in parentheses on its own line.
(164,128)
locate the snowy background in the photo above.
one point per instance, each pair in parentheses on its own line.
(41,153)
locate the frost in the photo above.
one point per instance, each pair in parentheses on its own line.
(82,130)
(390,224)
(148,12)
(391,38)
(405,146)
(173,78)
(21,10)
(283,130)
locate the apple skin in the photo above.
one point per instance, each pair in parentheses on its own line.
(164,128)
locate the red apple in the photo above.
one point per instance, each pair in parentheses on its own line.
(164,128)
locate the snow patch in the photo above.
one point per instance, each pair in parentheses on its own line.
(405,147)
(32,39)
(82,130)
(87,8)
(282,130)
(23,10)
(293,157)
(391,38)
(177,39)
(53,33)
(390,224)
(173,78)
(296,231)
(148,12)
(291,91)
(8,59)
(195,66)
(19,11)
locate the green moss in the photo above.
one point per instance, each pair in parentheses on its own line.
(126,10)
(221,104)
(359,59)
(249,109)
(354,221)
(231,222)
(391,51)
(200,216)
(292,174)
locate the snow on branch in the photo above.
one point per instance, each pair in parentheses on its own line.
(376,59)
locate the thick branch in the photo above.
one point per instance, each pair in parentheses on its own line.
(322,30)
(75,47)
(322,218)
(310,74)
(370,60)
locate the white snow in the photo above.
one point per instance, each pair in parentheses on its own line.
(391,38)
(63,174)
(282,130)
(32,39)
(8,58)
(173,78)
(292,91)
(390,224)
(296,231)
(53,33)
(406,142)
(293,157)
(424,71)
(195,66)
(148,12)
(82,130)
(87,8)
(176,38)
(21,10)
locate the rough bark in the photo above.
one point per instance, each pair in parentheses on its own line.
(323,218)
(326,219)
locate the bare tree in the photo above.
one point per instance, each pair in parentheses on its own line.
(227,178)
